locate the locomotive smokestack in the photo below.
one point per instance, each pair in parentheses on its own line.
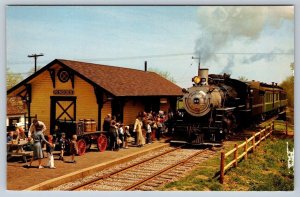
(203,74)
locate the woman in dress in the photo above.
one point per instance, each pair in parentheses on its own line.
(38,137)
(138,129)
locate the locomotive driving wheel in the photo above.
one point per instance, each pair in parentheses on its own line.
(102,143)
(81,147)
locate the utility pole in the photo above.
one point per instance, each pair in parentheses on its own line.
(35,58)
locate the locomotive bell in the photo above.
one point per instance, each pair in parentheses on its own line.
(203,75)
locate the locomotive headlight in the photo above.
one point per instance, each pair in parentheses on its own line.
(251,91)
(196,80)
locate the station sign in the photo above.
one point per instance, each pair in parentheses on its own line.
(63,92)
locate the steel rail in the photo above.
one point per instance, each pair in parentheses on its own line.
(131,187)
(121,170)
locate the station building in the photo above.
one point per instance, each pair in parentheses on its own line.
(72,90)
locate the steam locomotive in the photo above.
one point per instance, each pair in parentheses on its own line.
(217,106)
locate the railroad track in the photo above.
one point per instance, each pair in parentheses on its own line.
(145,173)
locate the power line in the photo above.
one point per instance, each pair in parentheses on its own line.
(240,53)
(161,56)
(136,57)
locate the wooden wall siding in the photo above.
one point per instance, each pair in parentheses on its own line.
(131,110)
(87,107)
(41,92)
(42,89)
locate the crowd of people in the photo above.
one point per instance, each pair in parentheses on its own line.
(146,128)
(35,140)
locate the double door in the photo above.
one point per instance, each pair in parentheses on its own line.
(62,109)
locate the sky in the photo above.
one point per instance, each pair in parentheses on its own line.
(256,42)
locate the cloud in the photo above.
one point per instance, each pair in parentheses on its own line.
(222,25)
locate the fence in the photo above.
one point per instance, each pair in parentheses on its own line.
(261,135)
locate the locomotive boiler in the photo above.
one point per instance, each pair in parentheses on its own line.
(217,106)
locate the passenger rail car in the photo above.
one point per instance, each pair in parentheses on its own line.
(217,106)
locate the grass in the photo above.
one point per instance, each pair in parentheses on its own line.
(264,170)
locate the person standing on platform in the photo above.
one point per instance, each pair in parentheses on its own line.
(114,136)
(62,146)
(73,148)
(38,137)
(49,150)
(148,133)
(106,128)
(126,136)
(34,124)
(121,135)
(138,125)
(159,127)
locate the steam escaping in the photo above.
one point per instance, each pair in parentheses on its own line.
(222,25)
(230,64)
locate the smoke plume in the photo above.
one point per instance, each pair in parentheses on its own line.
(222,25)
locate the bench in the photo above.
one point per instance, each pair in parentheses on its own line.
(24,154)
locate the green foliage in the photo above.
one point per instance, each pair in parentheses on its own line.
(288,86)
(243,78)
(164,74)
(12,78)
(264,170)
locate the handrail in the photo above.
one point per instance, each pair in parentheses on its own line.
(262,135)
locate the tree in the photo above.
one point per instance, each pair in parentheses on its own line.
(12,78)
(292,65)
(243,78)
(164,74)
(288,86)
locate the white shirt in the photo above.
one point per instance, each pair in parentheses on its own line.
(33,129)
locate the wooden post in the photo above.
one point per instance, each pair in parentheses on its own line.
(222,165)
(286,128)
(259,140)
(253,143)
(246,149)
(272,129)
(235,155)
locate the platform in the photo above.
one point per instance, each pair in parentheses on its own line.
(22,178)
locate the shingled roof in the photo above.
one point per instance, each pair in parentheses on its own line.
(125,81)
(118,81)
(15,106)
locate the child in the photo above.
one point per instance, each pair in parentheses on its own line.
(73,148)
(121,135)
(126,136)
(62,144)
(148,133)
(49,150)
